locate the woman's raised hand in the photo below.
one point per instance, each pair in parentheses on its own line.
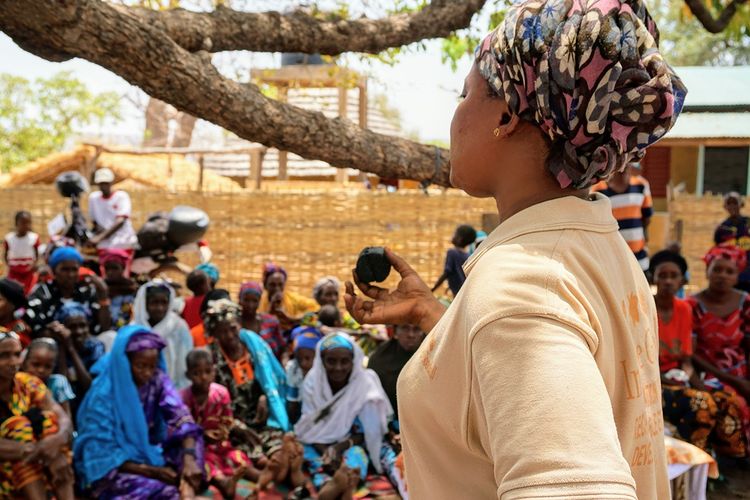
(410,303)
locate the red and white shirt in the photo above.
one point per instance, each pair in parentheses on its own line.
(22,251)
(105,211)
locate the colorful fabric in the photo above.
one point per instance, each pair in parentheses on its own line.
(60,388)
(305,337)
(20,328)
(115,255)
(191,313)
(676,337)
(270,331)
(46,300)
(268,380)
(252,287)
(145,341)
(728,252)
(631,208)
(220,311)
(215,416)
(590,75)
(121,309)
(72,309)
(63,254)
(172,329)
(120,422)
(211,270)
(327,418)
(294,379)
(14,476)
(354,457)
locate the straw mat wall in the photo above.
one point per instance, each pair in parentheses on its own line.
(312,233)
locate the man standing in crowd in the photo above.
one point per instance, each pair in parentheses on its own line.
(630,196)
(735,230)
(110,212)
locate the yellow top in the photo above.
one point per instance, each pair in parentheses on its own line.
(294,304)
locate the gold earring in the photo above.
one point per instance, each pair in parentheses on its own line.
(496,132)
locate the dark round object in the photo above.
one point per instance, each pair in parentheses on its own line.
(71,184)
(373,265)
(186,225)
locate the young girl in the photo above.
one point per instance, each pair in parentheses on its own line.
(40,361)
(121,288)
(305,339)
(211,407)
(22,252)
(154,308)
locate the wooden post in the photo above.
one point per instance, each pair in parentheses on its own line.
(256,167)
(342,175)
(283,91)
(200,173)
(363,105)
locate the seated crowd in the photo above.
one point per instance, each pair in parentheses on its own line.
(116,388)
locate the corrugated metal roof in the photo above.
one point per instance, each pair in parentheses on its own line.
(711,126)
(720,86)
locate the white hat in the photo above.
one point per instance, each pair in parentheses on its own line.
(104,175)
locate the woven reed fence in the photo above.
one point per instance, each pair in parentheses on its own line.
(312,233)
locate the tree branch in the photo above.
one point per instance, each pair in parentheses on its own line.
(147,57)
(706,18)
(226,29)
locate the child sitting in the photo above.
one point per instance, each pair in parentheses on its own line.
(211,407)
(305,340)
(40,361)
(154,309)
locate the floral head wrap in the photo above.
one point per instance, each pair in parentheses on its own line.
(219,311)
(252,287)
(590,75)
(728,252)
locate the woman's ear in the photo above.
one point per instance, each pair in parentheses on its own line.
(508,125)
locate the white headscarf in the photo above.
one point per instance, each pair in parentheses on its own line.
(172,329)
(363,397)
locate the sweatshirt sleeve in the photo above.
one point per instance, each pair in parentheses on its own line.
(547,424)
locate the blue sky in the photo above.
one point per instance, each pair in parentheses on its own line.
(422,88)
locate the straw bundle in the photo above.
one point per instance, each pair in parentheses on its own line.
(44,170)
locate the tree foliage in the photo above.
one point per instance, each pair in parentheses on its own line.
(37,117)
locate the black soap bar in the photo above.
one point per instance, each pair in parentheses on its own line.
(373,265)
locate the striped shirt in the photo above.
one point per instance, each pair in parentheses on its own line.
(630,208)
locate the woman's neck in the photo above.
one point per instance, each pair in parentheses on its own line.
(336,387)
(664,302)
(718,296)
(6,390)
(234,352)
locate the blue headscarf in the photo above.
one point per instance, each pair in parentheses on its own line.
(72,309)
(271,377)
(307,340)
(211,271)
(336,341)
(112,427)
(63,254)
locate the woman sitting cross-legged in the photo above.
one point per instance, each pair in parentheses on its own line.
(345,415)
(34,432)
(136,438)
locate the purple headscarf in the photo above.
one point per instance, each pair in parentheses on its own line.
(144,340)
(590,76)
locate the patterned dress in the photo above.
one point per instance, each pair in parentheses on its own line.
(23,421)
(216,418)
(720,341)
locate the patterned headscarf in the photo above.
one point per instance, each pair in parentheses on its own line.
(211,270)
(143,340)
(590,75)
(336,341)
(219,311)
(324,282)
(728,252)
(72,309)
(252,287)
(270,268)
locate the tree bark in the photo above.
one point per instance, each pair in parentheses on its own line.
(146,56)
(706,18)
(184,132)
(226,29)
(156,133)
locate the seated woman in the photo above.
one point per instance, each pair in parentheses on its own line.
(114,262)
(154,309)
(246,366)
(689,409)
(136,438)
(721,324)
(345,415)
(265,325)
(391,357)
(13,298)
(287,306)
(326,293)
(66,285)
(34,432)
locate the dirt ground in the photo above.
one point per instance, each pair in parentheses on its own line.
(736,487)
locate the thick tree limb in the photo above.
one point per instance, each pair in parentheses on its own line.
(706,18)
(147,57)
(226,29)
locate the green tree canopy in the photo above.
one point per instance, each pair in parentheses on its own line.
(37,117)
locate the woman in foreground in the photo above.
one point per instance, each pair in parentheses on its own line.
(542,378)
